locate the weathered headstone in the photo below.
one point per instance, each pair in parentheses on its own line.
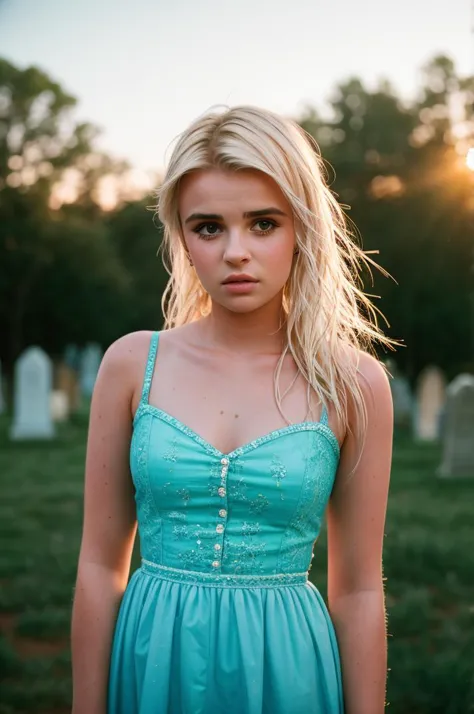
(430,399)
(72,357)
(2,398)
(67,376)
(59,405)
(90,363)
(66,381)
(458,441)
(31,400)
(401,395)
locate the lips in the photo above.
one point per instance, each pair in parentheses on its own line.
(239,279)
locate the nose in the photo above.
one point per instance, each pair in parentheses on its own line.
(236,250)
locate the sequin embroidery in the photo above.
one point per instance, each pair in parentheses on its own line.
(244,519)
(304,526)
(278,470)
(259,504)
(224,580)
(184,494)
(172,453)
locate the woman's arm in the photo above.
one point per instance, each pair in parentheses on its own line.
(109,525)
(356,520)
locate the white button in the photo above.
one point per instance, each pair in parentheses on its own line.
(220,528)
(221,491)
(215,564)
(224,461)
(217,546)
(222,513)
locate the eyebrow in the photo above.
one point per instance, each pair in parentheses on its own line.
(272,211)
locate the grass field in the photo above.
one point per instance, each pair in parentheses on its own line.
(429,566)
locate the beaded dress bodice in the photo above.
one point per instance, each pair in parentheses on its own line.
(253,513)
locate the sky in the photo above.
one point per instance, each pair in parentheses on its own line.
(142,70)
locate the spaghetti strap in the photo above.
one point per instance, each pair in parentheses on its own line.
(150,366)
(324,416)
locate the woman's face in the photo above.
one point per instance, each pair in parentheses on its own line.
(237,223)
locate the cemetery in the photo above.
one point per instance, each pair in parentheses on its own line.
(428,559)
(81,264)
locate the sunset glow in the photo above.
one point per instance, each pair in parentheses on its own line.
(470,159)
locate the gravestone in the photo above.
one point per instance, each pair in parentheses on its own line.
(31,396)
(59,405)
(72,357)
(2,398)
(458,440)
(430,399)
(403,406)
(67,376)
(67,382)
(90,363)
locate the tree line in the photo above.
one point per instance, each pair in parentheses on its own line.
(73,272)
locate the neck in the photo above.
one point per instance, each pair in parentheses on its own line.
(259,332)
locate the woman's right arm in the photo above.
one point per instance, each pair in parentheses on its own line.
(109,525)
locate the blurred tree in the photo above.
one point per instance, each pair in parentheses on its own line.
(136,236)
(55,259)
(72,272)
(402,170)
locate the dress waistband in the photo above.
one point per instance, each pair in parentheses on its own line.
(223,580)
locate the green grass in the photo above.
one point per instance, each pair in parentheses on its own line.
(428,563)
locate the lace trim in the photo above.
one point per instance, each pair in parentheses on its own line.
(145,408)
(223,580)
(318,426)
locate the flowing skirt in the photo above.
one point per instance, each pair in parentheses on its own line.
(182,648)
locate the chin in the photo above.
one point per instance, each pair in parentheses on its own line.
(243,310)
(243,306)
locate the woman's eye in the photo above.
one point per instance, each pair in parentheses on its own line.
(207,230)
(211,230)
(265,226)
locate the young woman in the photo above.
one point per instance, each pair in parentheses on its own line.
(226,436)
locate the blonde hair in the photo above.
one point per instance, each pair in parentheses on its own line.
(323,300)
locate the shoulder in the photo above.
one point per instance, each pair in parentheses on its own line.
(124,362)
(371,374)
(370,394)
(369,433)
(373,378)
(128,351)
(376,394)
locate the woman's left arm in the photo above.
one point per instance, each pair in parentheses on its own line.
(356,521)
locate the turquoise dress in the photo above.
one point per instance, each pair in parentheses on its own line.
(221,618)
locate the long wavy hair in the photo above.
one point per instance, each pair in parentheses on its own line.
(328,317)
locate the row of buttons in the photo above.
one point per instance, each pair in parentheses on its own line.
(222,511)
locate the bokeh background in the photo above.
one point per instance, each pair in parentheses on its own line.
(92,97)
